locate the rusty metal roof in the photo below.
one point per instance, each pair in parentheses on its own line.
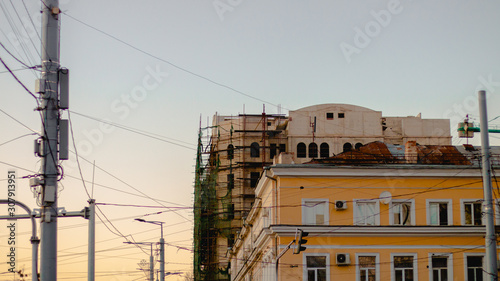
(382,153)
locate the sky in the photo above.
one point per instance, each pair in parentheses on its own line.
(158,69)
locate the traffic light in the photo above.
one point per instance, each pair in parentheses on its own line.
(298,238)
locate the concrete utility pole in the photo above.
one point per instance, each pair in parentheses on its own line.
(91,247)
(50,130)
(490,239)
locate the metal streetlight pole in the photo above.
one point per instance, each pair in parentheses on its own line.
(490,238)
(151,260)
(162,247)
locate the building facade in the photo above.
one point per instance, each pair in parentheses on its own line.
(367,221)
(234,150)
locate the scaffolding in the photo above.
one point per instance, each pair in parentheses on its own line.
(230,158)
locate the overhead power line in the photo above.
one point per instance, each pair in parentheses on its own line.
(17,59)
(170,63)
(18,81)
(140,132)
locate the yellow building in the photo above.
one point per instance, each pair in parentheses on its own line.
(233,151)
(366,221)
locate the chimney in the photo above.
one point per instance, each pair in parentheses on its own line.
(284,158)
(411,153)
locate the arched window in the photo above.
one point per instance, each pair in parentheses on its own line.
(324,150)
(254,150)
(347,147)
(358,145)
(230,151)
(313,150)
(301,150)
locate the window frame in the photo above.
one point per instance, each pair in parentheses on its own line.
(377,265)
(462,210)
(346,147)
(281,148)
(324,147)
(312,150)
(391,210)
(428,203)
(254,150)
(357,216)
(304,262)
(254,179)
(449,264)
(415,264)
(273,150)
(300,155)
(230,151)
(326,217)
(466,268)
(358,145)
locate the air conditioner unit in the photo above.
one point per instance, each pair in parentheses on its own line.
(343,259)
(340,205)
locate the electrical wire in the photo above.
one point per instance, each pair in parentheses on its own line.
(134,188)
(141,206)
(16,32)
(32,23)
(9,141)
(18,60)
(25,30)
(14,70)
(17,79)
(168,62)
(140,132)
(19,122)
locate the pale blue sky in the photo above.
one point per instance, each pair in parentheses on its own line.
(429,57)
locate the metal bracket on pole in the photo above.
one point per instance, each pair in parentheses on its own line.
(280,255)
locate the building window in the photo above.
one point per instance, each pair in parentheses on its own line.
(272,151)
(315,211)
(282,147)
(472,213)
(317,267)
(439,212)
(366,212)
(230,181)
(313,150)
(358,145)
(402,212)
(404,268)
(439,268)
(329,116)
(347,147)
(254,179)
(301,150)
(341,115)
(230,151)
(254,150)
(367,267)
(324,150)
(474,268)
